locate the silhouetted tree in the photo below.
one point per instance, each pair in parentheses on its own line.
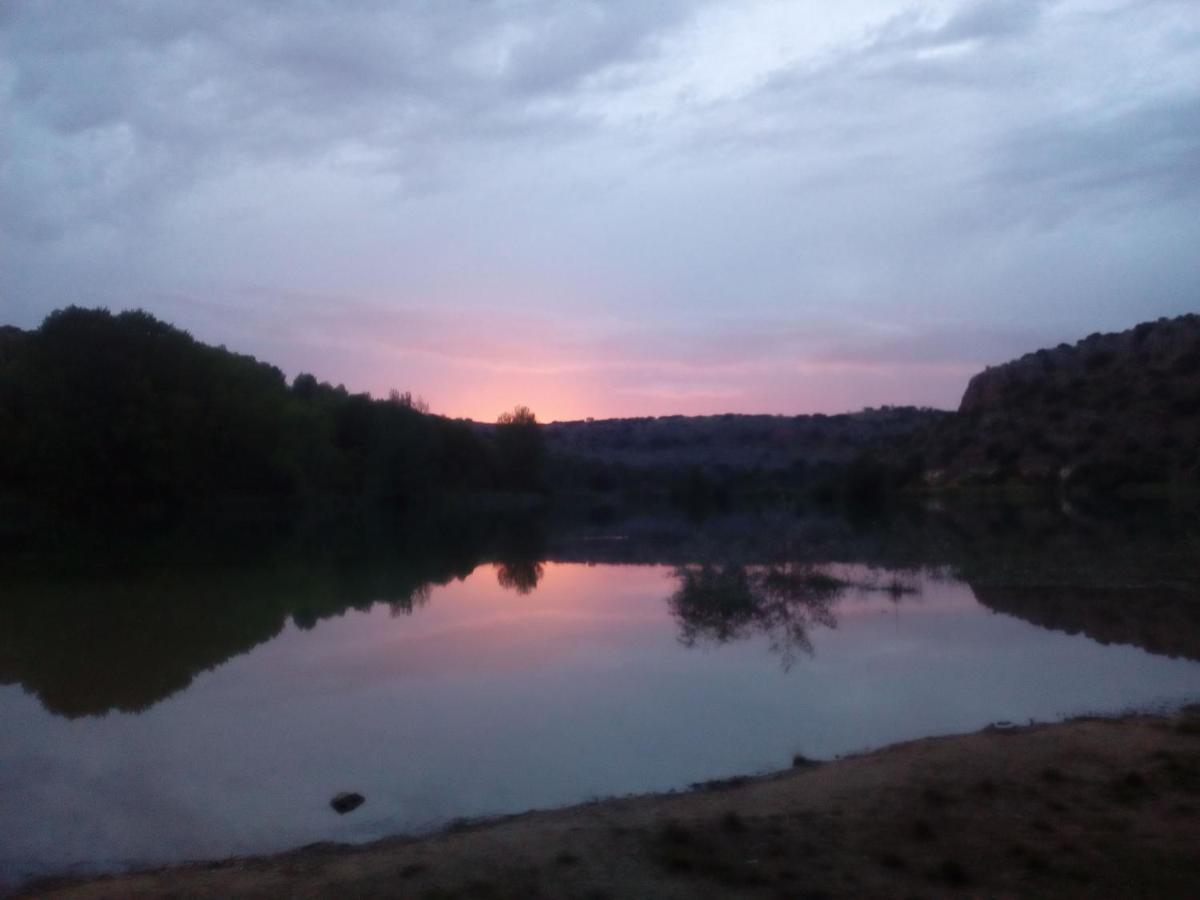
(520,449)
(408,401)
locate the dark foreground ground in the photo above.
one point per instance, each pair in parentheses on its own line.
(1087,808)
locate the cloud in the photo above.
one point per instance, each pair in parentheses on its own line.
(123,104)
(1151,151)
(757,205)
(991,20)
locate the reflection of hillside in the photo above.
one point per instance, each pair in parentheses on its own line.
(1128,575)
(121,628)
(1165,622)
(1129,578)
(84,648)
(90,633)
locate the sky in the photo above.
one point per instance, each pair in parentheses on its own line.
(608,209)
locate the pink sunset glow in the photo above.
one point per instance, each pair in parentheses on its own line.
(477,364)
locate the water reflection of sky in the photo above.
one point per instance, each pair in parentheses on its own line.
(484,700)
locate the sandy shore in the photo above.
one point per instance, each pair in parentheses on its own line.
(1090,807)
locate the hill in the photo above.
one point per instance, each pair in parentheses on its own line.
(1111,409)
(734,441)
(115,412)
(119,412)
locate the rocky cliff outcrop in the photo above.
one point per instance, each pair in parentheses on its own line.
(1149,354)
(1110,409)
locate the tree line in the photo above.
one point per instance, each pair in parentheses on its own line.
(118,410)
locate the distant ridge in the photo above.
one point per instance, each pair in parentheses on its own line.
(737,441)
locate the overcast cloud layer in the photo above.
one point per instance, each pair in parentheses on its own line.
(608,208)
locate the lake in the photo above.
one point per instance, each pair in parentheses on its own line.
(171,704)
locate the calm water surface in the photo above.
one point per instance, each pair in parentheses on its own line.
(513,689)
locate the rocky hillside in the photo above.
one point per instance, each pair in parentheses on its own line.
(1111,409)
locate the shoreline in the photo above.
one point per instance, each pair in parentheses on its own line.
(1086,807)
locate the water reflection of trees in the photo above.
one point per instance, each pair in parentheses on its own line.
(521,575)
(718,604)
(125,623)
(85,645)
(520,553)
(121,623)
(416,598)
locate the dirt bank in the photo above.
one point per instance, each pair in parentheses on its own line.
(1090,807)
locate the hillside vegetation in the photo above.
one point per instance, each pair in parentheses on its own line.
(1112,409)
(736,441)
(114,412)
(109,412)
